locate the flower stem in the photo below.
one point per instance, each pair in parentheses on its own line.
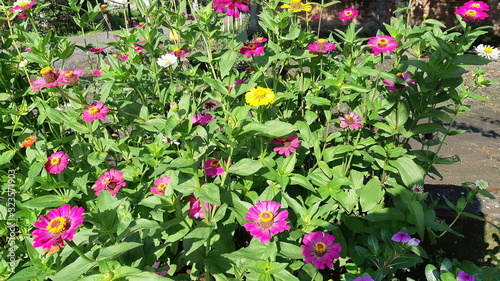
(78,251)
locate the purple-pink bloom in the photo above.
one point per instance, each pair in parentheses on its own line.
(160,185)
(382,44)
(95,112)
(477,4)
(70,77)
(213,168)
(348,14)
(366,278)
(165,268)
(195,209)
(401,237)
(351,120)
(56,162)
(394,87)
(321,46)
(202,120)
(111,181)
(252,49)
(96,50)
(50,78)
(320,250)
(265,220)
(471,13)
(260,40)
(231,7)
(97,73)
(288,145)
(462,276)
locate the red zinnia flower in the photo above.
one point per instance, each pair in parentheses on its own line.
(321,46)
(213,168)
(50,78)
(195,209)
(477,4)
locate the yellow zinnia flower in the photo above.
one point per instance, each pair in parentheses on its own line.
(259,96)
(297,6)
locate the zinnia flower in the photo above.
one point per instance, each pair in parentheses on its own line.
(418,189)
(202,120)
(195,209)
(394,87)
(95,112)
(488,52)
(382,44)
(69,77)
(56,162)
(482,184)
(29,141)
(351,120)
(401,237)
(111,181)
(167,60)
(260,40)
(96,50)
(59,225)
(471,13)
(297,6)
(180,53)
(321,46)
(23,5)
(462,276)
(97,73)
(288,145)
(348,14)
(265,220)
(477,4)
(366,278)
(320,250)
(213,168)
(259,96)
(251,49)
(160,185)
(50,78)
(231,7)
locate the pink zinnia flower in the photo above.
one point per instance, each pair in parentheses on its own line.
(213,168)
(462,276)
(95,112)
(231,7)
(471,13)
(56,162)
(97,73)
(288,145)
(96,50)
(59,225)
(180,53)
(260,40)
(348,14)
(138,48)
(382,44)
(160,185)
(351,120)
(477,4)
(394,87)
(265,220)
(321,46)
(27,49)
(69,77)
(195,209)
(23,5)
(320,250)
(111,181)
(401,237)
(50,78)
(202,120)
(251,49)
(366,278)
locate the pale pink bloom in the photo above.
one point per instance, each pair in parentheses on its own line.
(160,185)
(251,49)
(382,44)
(27,49)
(471,13)
(477,4)
(231,7)
(202,120)
(321,46)
(56,162)
(348,14)
(195,209)
(351,120)
(95,112)
(265,220)
(111,181)
(213,168)
(288,145)
(394,87)
(413,242)
(320,250)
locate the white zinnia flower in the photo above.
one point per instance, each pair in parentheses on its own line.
(488,52)
(482,184)
(167,60)
(24,63)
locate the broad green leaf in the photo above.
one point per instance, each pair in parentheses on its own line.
(245,167)
(278,128)
(410,172)
(7,156)
(417,213)
(370,195)
(46,201)
(74,270)
(289,250)
(226,62)
(96,158)
(116,250)
(317,100)
(210,193)
(385,214)
(302,181)
(196,238)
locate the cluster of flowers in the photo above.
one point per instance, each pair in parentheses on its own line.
(404,237)
(473,10)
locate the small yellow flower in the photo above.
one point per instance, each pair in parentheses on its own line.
(259,96)
(297,6)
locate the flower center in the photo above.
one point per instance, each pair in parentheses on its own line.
(215,164)
(93,110)
(260,39)
(286,142)
(251,46)
(348,13)
(24,4)
(260,94)
(476,5)
(55,161)
(488,50)
(266,216)
(349,120)
(69,74)
(46,70)
(320,249)
(471,14)
(382,42)
(57,225)
(162,186)
(106,181)
(296,4)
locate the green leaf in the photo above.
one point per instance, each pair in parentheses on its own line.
(317,100)
(7,156)
(288,164)
(245,167)
(290,251)
(226,62)
(74,270)
(417,212)
(46,201)
(370,195)
(302,181)
(469,59)
(357,88)
(278,128)
(196,238)
(29,273)
(210,193)
(105,89)
(385,214)
(96,158)
(116,250)
(431,273)
(410,172)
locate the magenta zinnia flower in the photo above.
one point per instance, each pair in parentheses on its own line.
(462,276)
(202,120)
(195,209)
(348,14)
(265,220)
(69,77)
(477,4)
(351,120)
(111,181)
(160,185)
(260,40)
(231,7)
(97,73)
(23,5)
(382,44)
(471,13)
(59,225)
(321,46)
(288,145)
(401,237)
(320,250)
(394,87)
(252,49)
(96,50)
(213,168)
(50,78)
(56,162)
(95,112)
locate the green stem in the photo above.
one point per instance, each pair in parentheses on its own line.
(78,251)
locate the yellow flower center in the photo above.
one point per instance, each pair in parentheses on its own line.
(57,225)
(176,49)
(260,39)
(321,41)
(69,74)
(320,249)
(106,181)
(382,42)
(93,110)
(476,5)
(471,13)
(55,161)
(251,46)
(348,13)
(24,4)
(46,70)
(266,216)
(488,50)
(162,186)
